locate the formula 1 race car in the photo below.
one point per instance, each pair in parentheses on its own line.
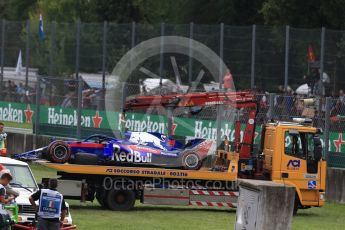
(137,148)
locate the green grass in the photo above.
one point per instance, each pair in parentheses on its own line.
(17,125)
(146,217)
(41,171)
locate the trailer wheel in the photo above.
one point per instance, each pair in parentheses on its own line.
(59,152)
(191,161)
(101,197)
(120,199)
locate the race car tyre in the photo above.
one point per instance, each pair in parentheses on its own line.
(191,161)
(120,199)
(59,152)
(86,159)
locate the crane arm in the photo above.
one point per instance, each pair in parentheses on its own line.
(236,100)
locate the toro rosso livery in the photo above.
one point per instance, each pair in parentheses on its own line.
(144,148)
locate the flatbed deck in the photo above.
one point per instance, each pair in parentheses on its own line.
(202,174)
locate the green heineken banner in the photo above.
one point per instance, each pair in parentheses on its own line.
(69,117)
(147,123)
(56,120)
(16,112)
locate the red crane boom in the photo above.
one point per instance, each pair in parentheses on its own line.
(236,100)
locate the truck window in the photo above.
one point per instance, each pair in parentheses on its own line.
(310,140)
(300,146)
(295,145)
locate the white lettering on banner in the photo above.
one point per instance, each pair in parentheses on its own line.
(60,118)
(145,125)
(207,131)
(5,114)
(11,114)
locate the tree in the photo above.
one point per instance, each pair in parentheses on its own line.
(16,10)
(306,14)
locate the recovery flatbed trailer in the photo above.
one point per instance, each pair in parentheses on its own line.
(117,187)
(142,172)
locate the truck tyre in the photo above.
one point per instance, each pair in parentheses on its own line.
(86,159)
(59,152)
(296,205)
(101,197)
(191,161)
(120,199)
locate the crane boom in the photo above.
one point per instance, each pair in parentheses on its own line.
(236,100)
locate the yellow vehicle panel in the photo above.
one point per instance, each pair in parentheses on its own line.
(293,169)
(143,172)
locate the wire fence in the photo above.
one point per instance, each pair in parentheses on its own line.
(70,69)
(259,57)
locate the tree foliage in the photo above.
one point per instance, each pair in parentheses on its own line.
(56,54)
(305,14)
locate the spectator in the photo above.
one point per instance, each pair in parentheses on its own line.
(325,83)
(263,102)
(3,140)
(338,113)
(13,91)
(289,99)
(228,81)
(8,96)
(340,105)
(279,107)
(70,100)
(311,79)
(281,89)
(319,85)
(88,95)
(299,105)
(20,93)
(142,87)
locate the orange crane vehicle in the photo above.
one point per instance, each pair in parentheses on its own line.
(290,153)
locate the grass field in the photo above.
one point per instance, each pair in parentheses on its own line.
(17,125)
(146,217)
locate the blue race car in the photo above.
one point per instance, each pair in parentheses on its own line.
(137,148)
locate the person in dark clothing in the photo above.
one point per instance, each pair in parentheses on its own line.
(312,78)
(51,208)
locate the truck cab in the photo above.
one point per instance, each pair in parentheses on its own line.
(25,184)
(293,156)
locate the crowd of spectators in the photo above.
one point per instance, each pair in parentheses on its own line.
(287,103)
(52,93)
(17,92)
